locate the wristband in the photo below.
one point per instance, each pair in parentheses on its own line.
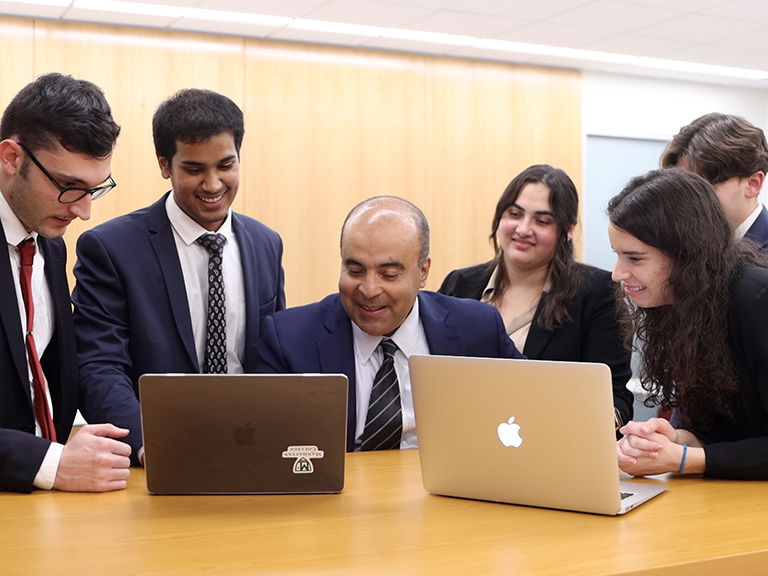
(682,464)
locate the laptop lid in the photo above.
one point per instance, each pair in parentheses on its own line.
(530,432)
(244,434)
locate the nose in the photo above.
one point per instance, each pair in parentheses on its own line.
(620,273)
(82,208)
(212,182)
(524,227)
(369,287)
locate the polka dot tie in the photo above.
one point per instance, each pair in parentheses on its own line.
(216,327)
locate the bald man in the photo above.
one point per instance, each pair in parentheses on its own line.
(381,315)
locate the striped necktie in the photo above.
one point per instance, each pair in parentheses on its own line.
(384,423)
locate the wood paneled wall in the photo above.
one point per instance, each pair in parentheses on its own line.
(326,127)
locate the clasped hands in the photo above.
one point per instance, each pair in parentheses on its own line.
(655,447)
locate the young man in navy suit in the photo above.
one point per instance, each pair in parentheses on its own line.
(143,301)
(384,265)
(56,142)
(732,155)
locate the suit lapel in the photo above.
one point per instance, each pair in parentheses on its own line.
(537,336)
(336,352)
(9,313)
(251,283)
(443,336)
(164,245)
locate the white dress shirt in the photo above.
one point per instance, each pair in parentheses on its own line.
(410,339)
(744,227)
(43,326)
(194,267)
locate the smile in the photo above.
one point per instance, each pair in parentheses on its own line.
(211,200)
(634,288)
(371,308)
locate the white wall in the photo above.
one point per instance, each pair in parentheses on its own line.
(638,107)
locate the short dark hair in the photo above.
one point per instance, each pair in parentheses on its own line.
(409,208)
(192,116)
(564,276)
(57,108)
(719,147)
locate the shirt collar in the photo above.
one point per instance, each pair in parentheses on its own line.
(744,227)
(406,337)
(15,232)
(187,229)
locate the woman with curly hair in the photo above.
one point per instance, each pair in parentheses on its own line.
(699,311)
(554,308)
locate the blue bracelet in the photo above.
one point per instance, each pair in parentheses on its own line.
(682,464)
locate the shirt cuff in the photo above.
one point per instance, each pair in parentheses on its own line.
(50,466)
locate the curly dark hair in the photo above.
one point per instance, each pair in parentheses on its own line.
(686,359)
(564,276)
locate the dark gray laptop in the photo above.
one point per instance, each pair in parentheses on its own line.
(244,434)
(528,432)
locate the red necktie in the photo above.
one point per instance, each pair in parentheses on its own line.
(42,412)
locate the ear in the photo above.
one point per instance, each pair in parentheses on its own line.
(425,272)
(569,234)
(10,158)
(165,167)
(755,184)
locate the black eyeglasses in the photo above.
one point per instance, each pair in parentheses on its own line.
(71,194)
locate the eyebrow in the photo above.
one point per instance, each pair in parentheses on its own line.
(393,264)
(540,212)
(196,163)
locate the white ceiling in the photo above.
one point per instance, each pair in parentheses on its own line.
(730,33)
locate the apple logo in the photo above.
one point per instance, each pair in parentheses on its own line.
(509,433)
(244,436)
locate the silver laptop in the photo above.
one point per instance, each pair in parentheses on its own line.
(529,432)
(244,434)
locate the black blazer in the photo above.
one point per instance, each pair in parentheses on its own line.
(21,452)
(592,335)
(738,447)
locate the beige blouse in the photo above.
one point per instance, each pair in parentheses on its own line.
(519,327)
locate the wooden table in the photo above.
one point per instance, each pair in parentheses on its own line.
(383,523)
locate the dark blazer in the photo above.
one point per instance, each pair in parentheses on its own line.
(592,335)
(738,448)
(758,232)
(131,312)
(21,452)
(318,338)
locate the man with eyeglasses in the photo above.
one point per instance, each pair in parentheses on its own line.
(56,142)
(181,285)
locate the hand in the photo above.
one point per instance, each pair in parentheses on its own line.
(93,462)
(652,447)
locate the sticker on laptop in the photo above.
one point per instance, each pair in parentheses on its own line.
(304,456)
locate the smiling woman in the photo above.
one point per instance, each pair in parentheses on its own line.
(699,313)
(553,307)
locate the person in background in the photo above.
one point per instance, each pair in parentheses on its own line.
(379,318)
(553,307)
(699,301)
(181,285)
(56,141)
(732,155)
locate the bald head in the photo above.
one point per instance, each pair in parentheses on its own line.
(384,263)
(394,209)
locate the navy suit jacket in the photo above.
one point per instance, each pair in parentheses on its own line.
(131,311)
(318,339)
(21,452)
(758,232)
